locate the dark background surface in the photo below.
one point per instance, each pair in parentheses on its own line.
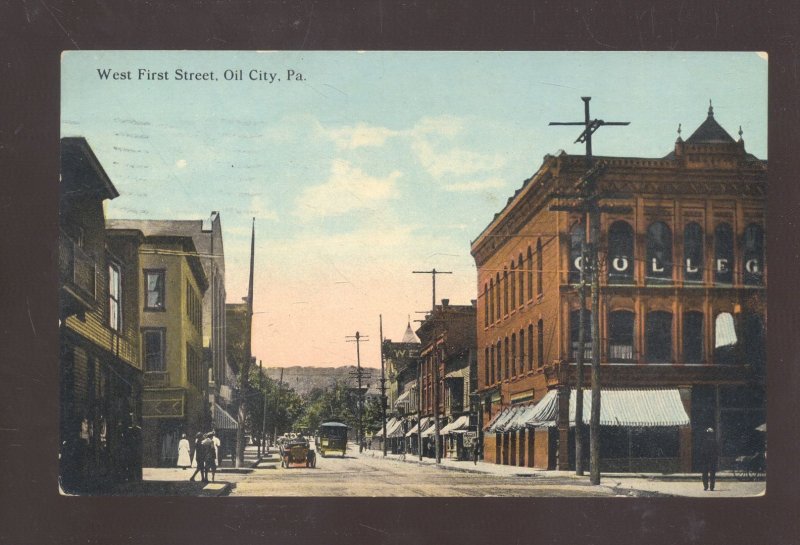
(32,35)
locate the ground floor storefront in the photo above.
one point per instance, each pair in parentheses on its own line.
(101,440)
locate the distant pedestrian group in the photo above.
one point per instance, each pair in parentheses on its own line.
(206,454)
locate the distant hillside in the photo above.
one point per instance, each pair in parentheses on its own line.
(303,379)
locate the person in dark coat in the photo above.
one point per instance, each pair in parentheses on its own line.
(476,450)
(709,455)
(210,457)
(199,458)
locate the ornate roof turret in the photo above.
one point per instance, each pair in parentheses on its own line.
(410,336)
(710,132)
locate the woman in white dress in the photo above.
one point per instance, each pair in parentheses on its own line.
(184,458)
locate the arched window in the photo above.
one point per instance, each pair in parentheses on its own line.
(659,254)
(513,354)
(505,358)
(693,252)
(521,351)
(693,337)
(485,305)
(574,332)
(620,336)
(530,273)
(512,275)
(658,337)
(538,266)
(530,347)
(620,253)
(540,343)
(725,339)
(491,300)
(723,254)
(753,251)
(486,366)
(577,235)
(754,348)
(521,281)
(491,363)
(505,292)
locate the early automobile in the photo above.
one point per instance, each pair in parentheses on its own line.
(332,437)
(297,452)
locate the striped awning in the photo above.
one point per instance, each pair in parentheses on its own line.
(643,407)
(459,424)
(423,425)
(389,424)
(395,430)
(403,400)
(499,423)
(222,420)
(521,415)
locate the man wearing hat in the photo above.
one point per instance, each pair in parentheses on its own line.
(709,453)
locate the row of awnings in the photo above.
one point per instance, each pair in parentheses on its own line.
(644,407)
(394,427)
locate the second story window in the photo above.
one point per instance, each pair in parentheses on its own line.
(154,290)
(753,255)
(693,252)
(659,253)
(153,346)
(114,294)
(620,253)
(723,254)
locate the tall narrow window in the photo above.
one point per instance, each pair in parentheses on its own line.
(530,273)
(574,332)
(521,280)
(754,348)
(505,292)
(540,343)
(486,366)
(153,341)
(658,337)
(620,336)
(485,305)
(500,361)
(620,253)
(491,300)
(577,235)
(505,358)
(693,253)
(530,347)
(513,354)
(753,255)
(154,290)
(539,260)
(491,364)
(513,281)
(498,289)
(521,351)
(659,254)
(725,339)
(114,294)
(723,254)
(693,337)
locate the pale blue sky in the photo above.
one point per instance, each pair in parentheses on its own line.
(376,164)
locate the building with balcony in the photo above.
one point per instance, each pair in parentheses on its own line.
(100,364)
(682,309)
(173,283)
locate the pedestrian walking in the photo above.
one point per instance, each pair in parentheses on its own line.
(709,454)
(217,446)
(184,455)
(199,458)
(210,457)
(476,450)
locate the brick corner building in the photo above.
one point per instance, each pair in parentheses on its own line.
(682,309)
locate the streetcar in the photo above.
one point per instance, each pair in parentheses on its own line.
(332,437)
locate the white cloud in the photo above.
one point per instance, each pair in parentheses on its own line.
(476,186)
(348,188)
(181,163)
(259,210)
(358,136)
(441,162)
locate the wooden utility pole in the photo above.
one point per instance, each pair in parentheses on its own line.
(245,369)
(358,338)
(262,443)
(383,389)
(437,438)
(589,198)
(579,362)
(419,408)
(277,404)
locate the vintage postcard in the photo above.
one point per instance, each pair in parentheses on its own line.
(413,274)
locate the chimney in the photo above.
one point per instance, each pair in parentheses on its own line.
(474,302)
(445,302)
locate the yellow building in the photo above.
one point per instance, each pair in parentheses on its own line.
(175,399)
